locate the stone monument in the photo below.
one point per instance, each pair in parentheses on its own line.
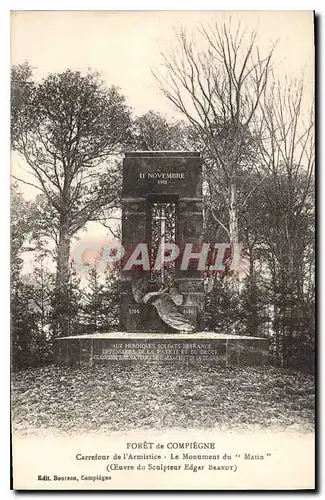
(162,293)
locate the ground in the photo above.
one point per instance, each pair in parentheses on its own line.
(126,397)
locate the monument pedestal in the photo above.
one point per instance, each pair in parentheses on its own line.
(205,347)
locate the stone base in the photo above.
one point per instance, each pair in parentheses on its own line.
(204,347)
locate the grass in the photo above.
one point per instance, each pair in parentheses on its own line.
(125,397)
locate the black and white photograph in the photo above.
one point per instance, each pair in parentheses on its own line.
(162,292)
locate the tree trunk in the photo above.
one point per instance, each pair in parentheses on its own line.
(233,237)
(233,215)
(62,326)
(252,296)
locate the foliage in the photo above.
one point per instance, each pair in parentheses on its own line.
(22,94)
(222,306)
(153,132)
(28,344)
(25,232)
(102,301)
(30,319)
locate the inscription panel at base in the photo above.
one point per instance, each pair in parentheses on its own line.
(157,351)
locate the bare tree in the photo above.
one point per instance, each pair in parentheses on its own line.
(219,90)
(287,158)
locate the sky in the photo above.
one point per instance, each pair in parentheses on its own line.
(125,46)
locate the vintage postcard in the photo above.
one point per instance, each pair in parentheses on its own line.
(162,250)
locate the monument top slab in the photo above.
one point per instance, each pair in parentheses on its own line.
(162,172)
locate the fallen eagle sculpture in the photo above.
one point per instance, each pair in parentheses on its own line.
(165,302)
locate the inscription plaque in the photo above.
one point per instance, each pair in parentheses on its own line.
(164,348)
(160,351)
